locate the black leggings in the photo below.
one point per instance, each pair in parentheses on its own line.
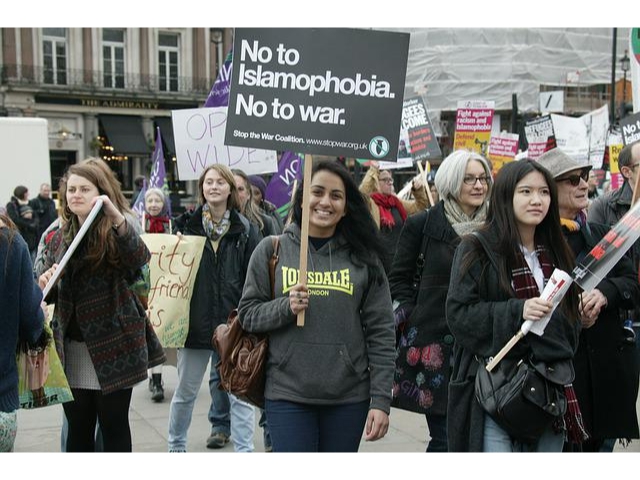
(111,410)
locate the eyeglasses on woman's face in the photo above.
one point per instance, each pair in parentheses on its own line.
(471,179)
(574,179)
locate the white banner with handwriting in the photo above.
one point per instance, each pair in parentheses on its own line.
(172,272)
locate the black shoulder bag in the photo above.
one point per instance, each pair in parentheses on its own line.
(523,396)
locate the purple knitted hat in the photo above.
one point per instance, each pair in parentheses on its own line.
(258,182)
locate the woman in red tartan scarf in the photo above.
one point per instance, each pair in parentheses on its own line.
(496,280)
(389,211)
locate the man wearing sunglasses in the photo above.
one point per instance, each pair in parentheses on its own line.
(610,208)
(606,380)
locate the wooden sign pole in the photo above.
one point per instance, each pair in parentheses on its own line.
(426,184)
(304,236)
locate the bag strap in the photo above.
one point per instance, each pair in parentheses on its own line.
(273,261)
(421,256)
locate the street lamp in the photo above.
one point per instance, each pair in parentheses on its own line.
(217,38)
(625,65)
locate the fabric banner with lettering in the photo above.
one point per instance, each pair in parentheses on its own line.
(172,270)
(280,188)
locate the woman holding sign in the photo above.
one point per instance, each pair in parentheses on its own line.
(330,379)
(497,276)
(231,239)
(606,371)
(102,334)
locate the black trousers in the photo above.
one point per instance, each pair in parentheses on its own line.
(111,410)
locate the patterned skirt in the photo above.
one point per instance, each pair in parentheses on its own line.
(8,429)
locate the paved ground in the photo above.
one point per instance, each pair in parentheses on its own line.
(39,430)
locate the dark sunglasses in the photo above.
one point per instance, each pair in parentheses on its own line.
(574,180)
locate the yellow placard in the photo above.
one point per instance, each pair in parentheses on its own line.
(172,272)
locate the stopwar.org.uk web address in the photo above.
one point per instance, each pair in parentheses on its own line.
(354,146)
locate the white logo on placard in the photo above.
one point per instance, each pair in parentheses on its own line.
(379,146)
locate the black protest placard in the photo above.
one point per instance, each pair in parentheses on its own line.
(630,126)
(540,136)
(326,91)
(423,144)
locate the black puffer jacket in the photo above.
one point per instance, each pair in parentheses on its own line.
(221,274)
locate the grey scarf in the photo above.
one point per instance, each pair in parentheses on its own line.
(462,223)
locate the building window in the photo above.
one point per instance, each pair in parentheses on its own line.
(54,49)
(113,57)
(168,62)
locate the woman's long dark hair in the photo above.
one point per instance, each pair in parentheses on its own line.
(502,229)
(357,226)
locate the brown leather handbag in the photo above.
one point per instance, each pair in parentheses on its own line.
(243,355)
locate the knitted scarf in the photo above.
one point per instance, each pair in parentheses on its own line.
(385,203)
(159,224)
(462,223)
(526,287)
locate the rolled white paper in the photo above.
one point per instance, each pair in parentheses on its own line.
(554,292)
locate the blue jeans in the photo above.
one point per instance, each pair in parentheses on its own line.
(497,440)
(438,431)
(228,414)
(220,409)
(297,427)
(192,365)
(262,423)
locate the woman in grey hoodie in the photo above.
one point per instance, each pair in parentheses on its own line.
(330,379)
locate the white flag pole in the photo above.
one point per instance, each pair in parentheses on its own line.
(78,238)
(554,291)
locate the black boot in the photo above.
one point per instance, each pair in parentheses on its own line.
(157,392)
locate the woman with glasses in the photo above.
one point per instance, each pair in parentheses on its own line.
(419,280)
(389,211)
(606,382)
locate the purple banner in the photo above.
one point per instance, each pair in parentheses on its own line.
(279,189)
(219,94)
(158,178)
(138,206)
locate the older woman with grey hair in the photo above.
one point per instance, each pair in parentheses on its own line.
(425,252)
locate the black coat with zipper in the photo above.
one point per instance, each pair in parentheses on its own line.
(221,274)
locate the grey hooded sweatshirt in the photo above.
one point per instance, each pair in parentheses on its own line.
(345,351)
